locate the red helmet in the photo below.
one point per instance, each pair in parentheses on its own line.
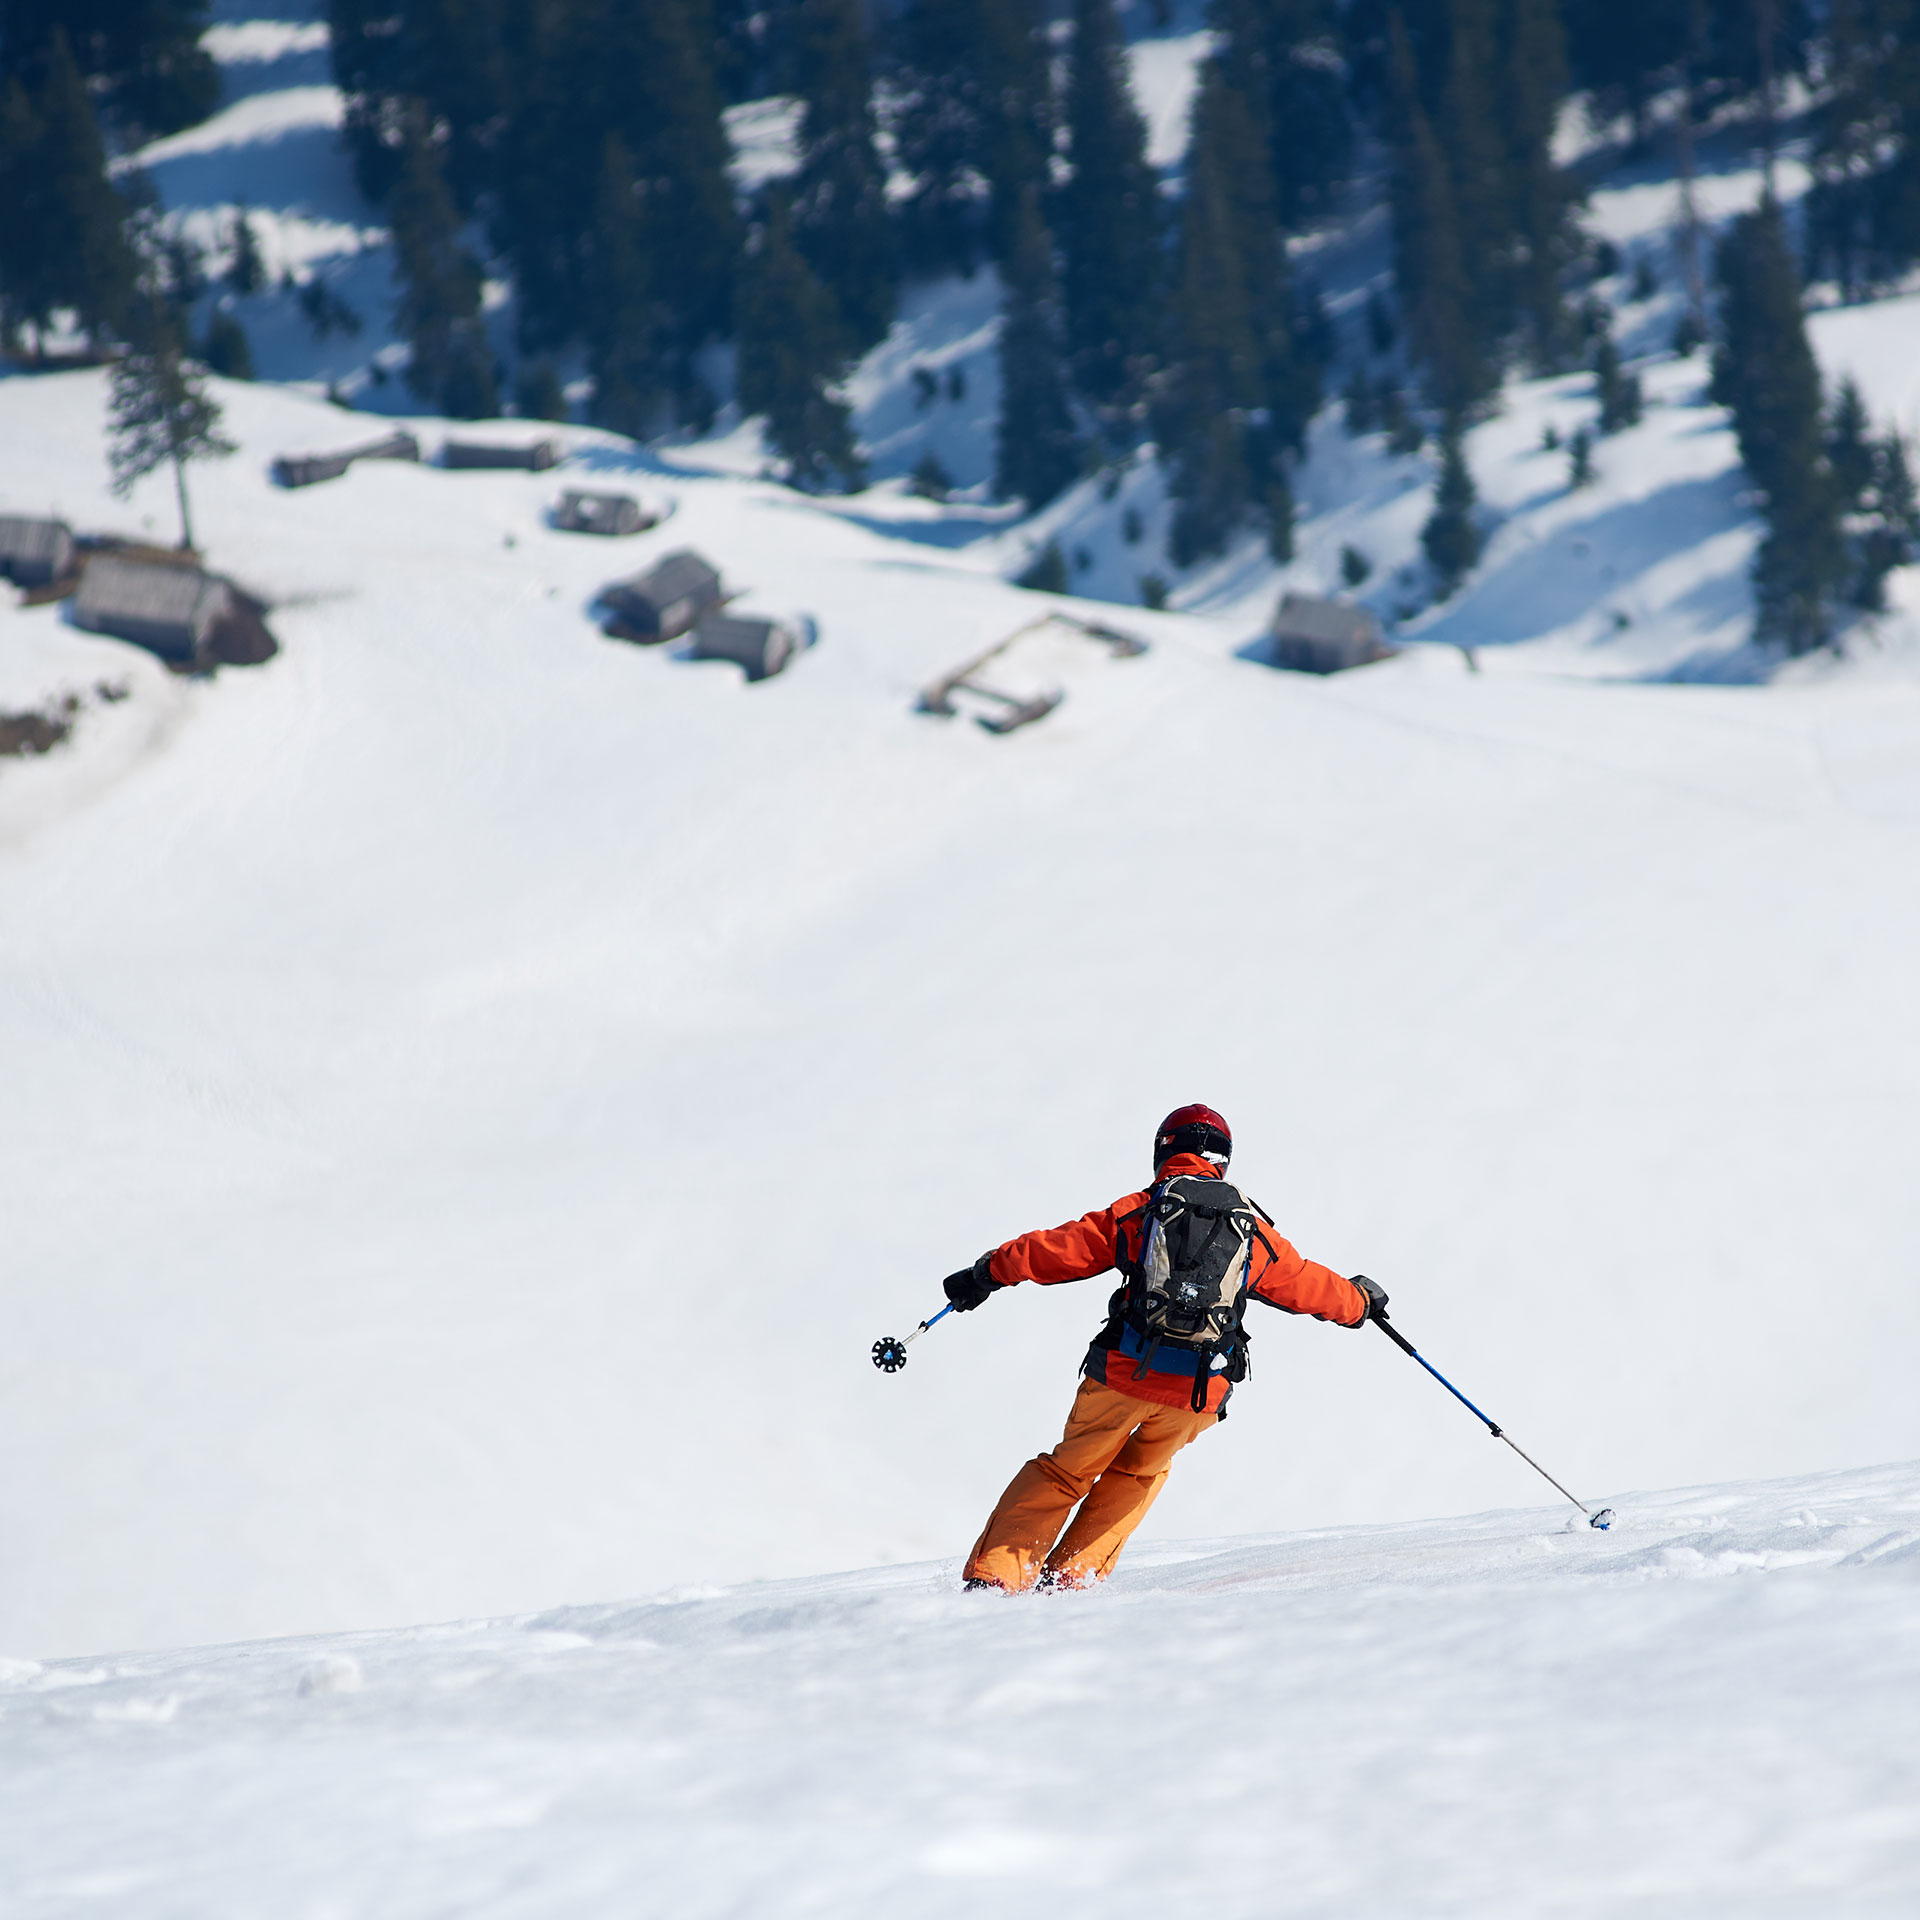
(1193,1130)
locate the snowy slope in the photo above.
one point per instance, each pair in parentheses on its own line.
(372,1021)
(1708,1712)
(375,1021)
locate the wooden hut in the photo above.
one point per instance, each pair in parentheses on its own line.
(1323,636)
(581,511)
(536,457)
(35,552)
(761,645)
(665,601)
(170,610)
(307,469)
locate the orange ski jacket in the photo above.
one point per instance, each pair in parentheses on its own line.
(1096,1242)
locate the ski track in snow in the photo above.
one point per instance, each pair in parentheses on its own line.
(1708,1711)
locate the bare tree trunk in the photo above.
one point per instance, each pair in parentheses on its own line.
(180,490)
(1769,130)
(1689,210)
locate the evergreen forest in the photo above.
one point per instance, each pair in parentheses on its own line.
(576,152)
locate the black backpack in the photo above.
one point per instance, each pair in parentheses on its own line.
(1189,1286)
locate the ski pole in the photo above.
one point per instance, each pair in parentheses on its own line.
(1603,1519)
(890,1355)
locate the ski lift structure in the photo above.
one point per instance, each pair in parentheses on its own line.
(1012,684)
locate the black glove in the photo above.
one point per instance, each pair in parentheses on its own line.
(971,1285)
(1376,1297)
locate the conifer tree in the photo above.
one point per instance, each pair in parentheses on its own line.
(742,60)
(438,312)
(152,75)
(537,392)
(1238,396)
(247,273)
(228,351)
(583,69)
(19,241)
(1863,214)
(791,353)
(63,240)
(671,124)
(1213,386)
(1110,221)
(840,216)
(622,319)
(1617,390)
(450,57)
(939,136)
(1850,448)
(1450,537)
(1430,270)
(976,105)
(1020,123)
(1620,48)
(1310,124)
(1764,372)
(1540,198)
(1580,459)
(160,412)
(1036,452)
(1471,138)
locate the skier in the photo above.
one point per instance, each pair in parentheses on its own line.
(1192,1250)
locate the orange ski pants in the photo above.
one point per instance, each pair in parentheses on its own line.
(1112,1463)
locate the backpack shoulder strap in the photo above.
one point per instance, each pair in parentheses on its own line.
(1123,1263)
(1273,1252)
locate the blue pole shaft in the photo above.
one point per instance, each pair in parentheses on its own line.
(1406,1346)
(925,1324)
(1458,1395)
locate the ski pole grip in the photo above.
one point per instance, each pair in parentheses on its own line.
(1394,1334)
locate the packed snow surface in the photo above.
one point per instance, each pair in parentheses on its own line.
(1706,1712)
